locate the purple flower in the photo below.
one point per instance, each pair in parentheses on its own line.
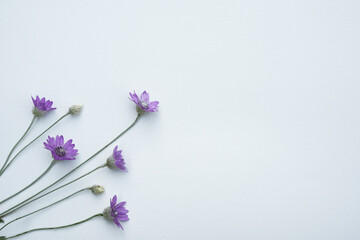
(41,106)
(118,212)
(59,150)
(143,103)
(116,160)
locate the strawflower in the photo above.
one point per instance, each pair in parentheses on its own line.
(59,149)
(116,212)
(143,104)
(116,160)
(41,106)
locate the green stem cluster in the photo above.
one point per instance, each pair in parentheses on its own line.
(6,164)
(32,183)
(26,215)
(51,228)
(17,143)
(17,207)
(28,200)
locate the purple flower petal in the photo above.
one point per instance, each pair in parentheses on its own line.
(42,105)
(145,97)
(144,102)
(59,150)
(118,212)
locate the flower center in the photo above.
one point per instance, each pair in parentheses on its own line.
(144,104)
(60,151)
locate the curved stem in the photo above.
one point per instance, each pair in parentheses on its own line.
(8,157)
(66,114)
(81,190)
(112,141)
(17,208)
(52,228)
(33,182)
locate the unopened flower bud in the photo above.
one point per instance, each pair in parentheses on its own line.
(97,189)
(75,109)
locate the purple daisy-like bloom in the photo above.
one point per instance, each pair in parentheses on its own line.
(59,149)
(118,212)
(41,106)
(143,103)
(116,160)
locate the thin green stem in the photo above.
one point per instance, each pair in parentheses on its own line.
(64,185)
(52,228)
(12,160)
(112,141)
(16,219)
(33,182)
(8,157)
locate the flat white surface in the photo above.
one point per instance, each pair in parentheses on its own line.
(257,136)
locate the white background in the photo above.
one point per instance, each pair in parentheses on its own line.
(257,136)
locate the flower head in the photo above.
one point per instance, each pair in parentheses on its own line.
(59,150)
(143,104)
(75,109)
(116,160)
(41,106)
(116,212)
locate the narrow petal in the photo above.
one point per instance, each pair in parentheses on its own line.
(113,201)
(145,97)
(61,141)
(67,144)
(115,150)
(118,223)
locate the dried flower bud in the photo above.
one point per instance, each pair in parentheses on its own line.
(75,109)
(97,189)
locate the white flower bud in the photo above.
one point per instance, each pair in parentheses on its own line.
(75,109)
(97,189)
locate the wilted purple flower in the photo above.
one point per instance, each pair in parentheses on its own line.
(41,106)
(143,103)
(116,212)
(116,160)
(59,150)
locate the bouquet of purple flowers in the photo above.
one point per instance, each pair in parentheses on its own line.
(62,149)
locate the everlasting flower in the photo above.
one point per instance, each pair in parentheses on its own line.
(116,212)
(143,104)
(75,109)
(116,160)
(59,150)
(41,106)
